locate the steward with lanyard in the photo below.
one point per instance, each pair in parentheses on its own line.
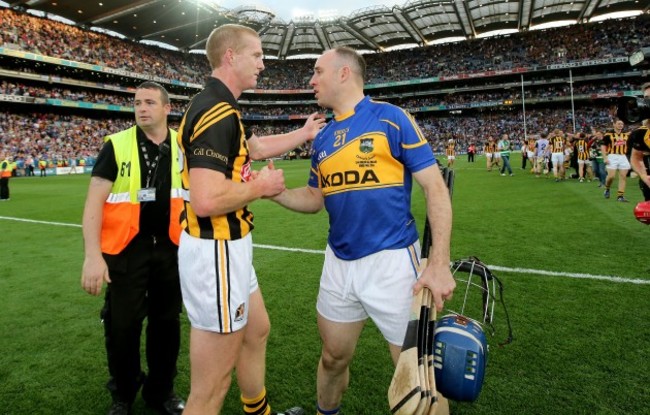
(131,227)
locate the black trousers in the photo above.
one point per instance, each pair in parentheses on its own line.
(4,188)
(645,190)
(144,284)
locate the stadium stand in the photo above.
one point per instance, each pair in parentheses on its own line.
(59,101)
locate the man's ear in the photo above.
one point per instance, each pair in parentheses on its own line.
(345,73)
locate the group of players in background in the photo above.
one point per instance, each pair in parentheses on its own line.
(601,154)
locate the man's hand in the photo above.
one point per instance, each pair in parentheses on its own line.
(441,282)
(93,275)
(313,125)
(270,180)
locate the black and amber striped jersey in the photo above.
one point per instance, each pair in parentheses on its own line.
(616,143)
(212,136)
(490,147)
(451,148)
(557,144)
(581,146)
(640,139)
(531,144)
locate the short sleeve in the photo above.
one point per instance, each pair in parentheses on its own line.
(105,165)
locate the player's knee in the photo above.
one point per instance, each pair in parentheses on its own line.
(335,360)
(257,330)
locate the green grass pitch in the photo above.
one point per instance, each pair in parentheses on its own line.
(575,268)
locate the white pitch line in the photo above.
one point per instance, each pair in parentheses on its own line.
(282,248)
(42,222)
(609,278)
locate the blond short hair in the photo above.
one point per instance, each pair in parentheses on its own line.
(225,37)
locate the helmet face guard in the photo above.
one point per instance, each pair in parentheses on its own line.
(460,342)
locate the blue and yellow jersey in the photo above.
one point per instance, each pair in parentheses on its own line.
(362,164)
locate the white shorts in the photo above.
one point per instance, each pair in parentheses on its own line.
(379,286)
(557,159)
(488,155)
(451,157)
(217,278)
(496,155)
(530,155)
(617,162)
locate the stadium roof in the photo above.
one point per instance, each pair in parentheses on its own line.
(186,24)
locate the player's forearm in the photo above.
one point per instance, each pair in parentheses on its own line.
(440,218)
(220,200)
(278,144)
(303,199)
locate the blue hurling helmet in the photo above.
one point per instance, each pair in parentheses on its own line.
(460,344)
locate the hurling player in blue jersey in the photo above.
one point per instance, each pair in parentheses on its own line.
(362,169)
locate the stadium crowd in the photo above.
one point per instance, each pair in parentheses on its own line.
(60,137)
(526,49)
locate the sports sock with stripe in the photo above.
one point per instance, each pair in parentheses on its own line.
(321,411)
(257,405)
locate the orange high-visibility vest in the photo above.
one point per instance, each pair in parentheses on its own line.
(121,218)
(5,168)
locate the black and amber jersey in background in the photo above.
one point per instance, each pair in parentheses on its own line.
(212,136)
(451,148)
(640,141)
(616,143)
(531,144)
(581,146)
(557,144)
